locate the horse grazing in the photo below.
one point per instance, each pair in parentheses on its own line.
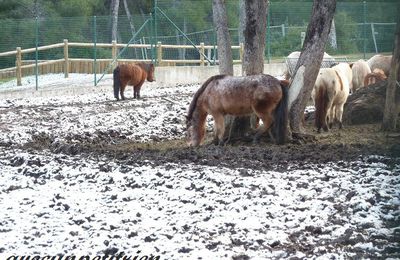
(132,74)
(360,69)
(375,76)
(382,62)
(221,95)
(330,94)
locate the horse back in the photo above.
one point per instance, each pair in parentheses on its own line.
(240,95)
(132,74)
(360,69)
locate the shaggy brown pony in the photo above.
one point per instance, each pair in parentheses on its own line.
(132,74)
(221,95)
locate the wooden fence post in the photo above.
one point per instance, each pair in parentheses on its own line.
(18,65)
(202,54)
(114,51)
(66,59)
(159,53)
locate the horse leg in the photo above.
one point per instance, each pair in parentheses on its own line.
(339,114)
(330,113)
(122,90)
(219,129)
(137,90)
(331,118)
(267,120)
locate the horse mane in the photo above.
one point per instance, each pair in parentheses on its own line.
(145,66)
(198,94)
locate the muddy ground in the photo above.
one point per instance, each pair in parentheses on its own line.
(348,144)
(103,132)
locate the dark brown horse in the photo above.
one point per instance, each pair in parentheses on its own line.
(221,95)
(132,74)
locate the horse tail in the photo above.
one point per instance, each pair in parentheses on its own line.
(281,115)
(198,94)
(117,82)
(321,104)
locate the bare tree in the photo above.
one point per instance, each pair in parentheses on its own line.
(391,112)
(114,19)
(182,52)
(128,14)
(132,26)
(254,32)
(309,61)
(242,15)
(332,36)
(223,38)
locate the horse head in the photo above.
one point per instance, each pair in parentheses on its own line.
(150,73)
(193,137)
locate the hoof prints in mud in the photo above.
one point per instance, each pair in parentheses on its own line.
(91,175)
(180,210)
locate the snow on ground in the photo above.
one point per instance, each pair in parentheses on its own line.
(63,204)
(95,113)
(55,80)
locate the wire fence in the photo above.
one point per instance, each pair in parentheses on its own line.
(361,29)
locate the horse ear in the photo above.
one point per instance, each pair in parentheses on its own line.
(351,64)
(285,83)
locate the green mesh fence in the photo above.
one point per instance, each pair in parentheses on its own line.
(362,29)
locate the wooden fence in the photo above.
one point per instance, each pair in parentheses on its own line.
(68,65)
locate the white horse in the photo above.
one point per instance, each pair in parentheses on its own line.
(380,62)
(292,59)
(330,93)
(360,69)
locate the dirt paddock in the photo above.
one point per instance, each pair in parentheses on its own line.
(333,195)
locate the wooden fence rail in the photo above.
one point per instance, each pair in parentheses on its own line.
(68,65)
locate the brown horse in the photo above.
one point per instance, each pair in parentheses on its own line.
(132,74)
(221,95)
(373,77)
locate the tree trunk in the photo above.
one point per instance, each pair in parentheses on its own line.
(242,19)
(114,19)
(254,36)
(182,52)
(309,62)
(133,30)
(254,32)
(391,108)
(223,38)
(332,36)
